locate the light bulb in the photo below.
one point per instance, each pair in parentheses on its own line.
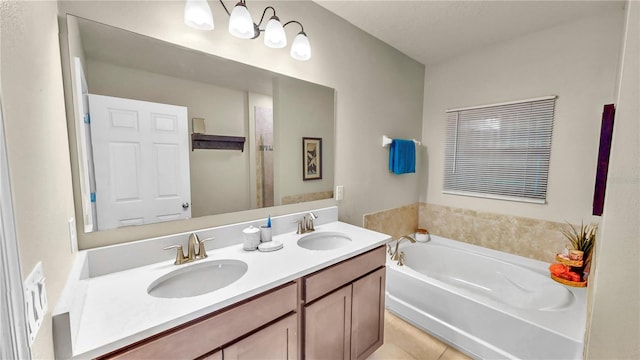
(197,14)
(240,22)
(274,36)
(300,49)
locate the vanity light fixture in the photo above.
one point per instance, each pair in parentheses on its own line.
(197,14)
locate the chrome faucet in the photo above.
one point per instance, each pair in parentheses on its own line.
(195,250)
(305,225)
(395,256)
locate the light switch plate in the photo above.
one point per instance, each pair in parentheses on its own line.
(35,298)
(73,235)
(339,192)
(198,126)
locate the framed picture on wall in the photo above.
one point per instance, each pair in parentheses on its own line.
(311,158)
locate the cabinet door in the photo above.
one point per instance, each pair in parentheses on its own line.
(328,326)
(367,314)
(277,341)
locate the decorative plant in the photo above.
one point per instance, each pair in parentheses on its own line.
(582,239)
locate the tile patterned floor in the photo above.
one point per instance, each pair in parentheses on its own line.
(403,341)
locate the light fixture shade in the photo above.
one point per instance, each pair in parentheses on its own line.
(197,14)
(240,22)
(274,36)
(300,49)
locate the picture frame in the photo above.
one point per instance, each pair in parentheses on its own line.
(311,158)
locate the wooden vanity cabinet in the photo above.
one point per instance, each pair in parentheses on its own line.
(340,310)
(347,323)
(276,341)
(271,312)
(367,314)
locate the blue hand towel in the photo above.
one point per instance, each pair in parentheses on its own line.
(402,156)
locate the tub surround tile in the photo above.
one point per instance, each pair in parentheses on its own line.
(294,199)
(532,238)
(395,222)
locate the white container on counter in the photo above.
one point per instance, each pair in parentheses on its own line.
(251,238)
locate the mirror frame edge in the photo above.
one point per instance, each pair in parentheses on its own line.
(136,233)
(72,132)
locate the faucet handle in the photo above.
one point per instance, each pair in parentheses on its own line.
(202,252)
(401,259)
(301,227)
(180,258)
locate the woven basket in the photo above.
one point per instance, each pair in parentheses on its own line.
(569,282)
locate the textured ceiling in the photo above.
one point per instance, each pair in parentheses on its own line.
(434,31)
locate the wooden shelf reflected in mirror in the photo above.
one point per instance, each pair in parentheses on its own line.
(204,141)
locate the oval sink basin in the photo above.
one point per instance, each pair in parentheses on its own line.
(197,279)
(324,241)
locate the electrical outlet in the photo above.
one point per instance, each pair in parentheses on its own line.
(73,235)
(339,192)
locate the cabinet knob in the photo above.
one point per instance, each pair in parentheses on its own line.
(185,205)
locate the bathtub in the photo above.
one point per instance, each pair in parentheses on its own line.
(486,303)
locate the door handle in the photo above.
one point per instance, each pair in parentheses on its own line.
(185,205)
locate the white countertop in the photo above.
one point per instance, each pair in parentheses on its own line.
(118,311)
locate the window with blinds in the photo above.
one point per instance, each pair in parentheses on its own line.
(500,151)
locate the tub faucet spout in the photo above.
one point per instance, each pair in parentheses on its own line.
(394,255)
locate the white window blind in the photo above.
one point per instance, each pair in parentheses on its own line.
(500,151)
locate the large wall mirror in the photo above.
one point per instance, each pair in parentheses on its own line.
(137,101)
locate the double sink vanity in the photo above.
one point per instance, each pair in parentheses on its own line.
(320,296)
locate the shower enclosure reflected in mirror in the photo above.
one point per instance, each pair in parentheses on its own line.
(134,98)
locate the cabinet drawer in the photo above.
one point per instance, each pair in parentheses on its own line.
(202,336)
(324,281)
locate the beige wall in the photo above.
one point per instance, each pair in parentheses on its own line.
(225,113)
(578,63)
(379,91)
(615,289)
(37,147)
(302,110)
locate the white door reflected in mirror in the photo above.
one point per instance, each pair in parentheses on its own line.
(141,161)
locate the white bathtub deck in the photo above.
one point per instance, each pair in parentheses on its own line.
(480,325)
